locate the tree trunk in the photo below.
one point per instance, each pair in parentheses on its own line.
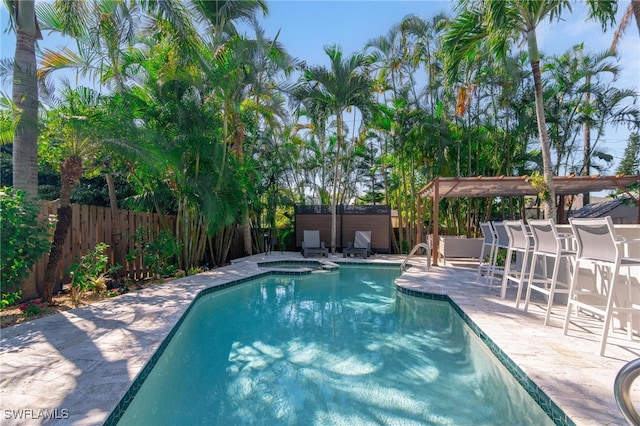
(221,243)
(117,244)
(635,6)
(545,146)
(25,97)
(55,254)
(69,175)
(246,235)
(238,140)
(334,195)
(586,167)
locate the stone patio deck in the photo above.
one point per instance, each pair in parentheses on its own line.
(78,365)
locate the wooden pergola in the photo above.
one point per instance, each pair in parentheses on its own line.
(513,186)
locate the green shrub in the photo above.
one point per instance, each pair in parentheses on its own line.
(24,238)
(10,298)
(194,270)
(90,273)
(31,308)
(159,255)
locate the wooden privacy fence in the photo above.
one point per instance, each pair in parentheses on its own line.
(91,225)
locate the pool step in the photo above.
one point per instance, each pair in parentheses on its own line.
(326,264)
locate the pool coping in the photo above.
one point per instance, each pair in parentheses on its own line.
(100,350)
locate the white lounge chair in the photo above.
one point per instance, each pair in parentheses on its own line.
(312,244)
(361,245)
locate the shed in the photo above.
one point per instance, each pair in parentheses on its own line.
(621,210)
(349,219)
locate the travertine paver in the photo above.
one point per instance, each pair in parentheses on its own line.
(77,365)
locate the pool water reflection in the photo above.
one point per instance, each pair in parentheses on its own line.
(336,348)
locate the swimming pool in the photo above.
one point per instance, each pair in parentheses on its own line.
(343,347)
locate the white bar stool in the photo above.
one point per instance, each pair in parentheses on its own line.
(520,246)
(502,242)
(489,240)
(548,244)
(599,246)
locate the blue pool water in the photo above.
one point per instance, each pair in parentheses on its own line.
(340,347)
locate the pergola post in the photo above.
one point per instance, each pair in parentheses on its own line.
(436,220)
(420,227)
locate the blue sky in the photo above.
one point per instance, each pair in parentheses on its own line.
(306,26)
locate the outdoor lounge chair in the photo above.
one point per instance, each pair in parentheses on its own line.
(361,246)
(312,244)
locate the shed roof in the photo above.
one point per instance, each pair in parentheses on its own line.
(597,209)
(505,186)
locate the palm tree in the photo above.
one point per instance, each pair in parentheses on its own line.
(77,134)
(591,67)
(500,23)
(241,59)
(425,50)
(632,10)
(392,65)
(330,93)
(244,73)
(575,80)
(105,32)
(25,96)
(635,8)
(630,164)
(221,16)
(72,129)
